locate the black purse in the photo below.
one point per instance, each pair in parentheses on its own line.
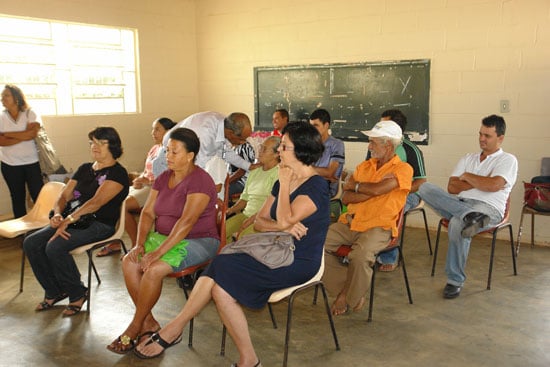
(83,222)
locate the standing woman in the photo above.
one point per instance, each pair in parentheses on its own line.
(19,126)
(94,194)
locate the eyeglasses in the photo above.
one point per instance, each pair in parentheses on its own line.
(285,147)
(98,143)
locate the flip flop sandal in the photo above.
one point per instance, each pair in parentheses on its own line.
(44,305)
(125,342)
(155,338)
(146,334)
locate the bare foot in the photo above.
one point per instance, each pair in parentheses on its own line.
(359,306)
(339,307)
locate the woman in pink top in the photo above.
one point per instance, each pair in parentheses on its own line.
(141,185)
(177,229)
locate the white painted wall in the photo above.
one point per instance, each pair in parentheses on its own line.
(482,51)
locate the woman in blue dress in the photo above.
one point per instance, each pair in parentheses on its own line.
(299,205)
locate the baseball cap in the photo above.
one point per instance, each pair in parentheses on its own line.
(385,129)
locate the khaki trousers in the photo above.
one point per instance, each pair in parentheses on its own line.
(352,279)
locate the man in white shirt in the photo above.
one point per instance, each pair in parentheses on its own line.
(217,135)
(478,190)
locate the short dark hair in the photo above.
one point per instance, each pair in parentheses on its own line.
(166,123)
(396,116)
(18,96)
(308,146)
(496,121)
(111,135)
(283,112)
(188,138)
(321,115)
(236,122)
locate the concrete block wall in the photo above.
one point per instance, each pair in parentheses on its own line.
(482,51)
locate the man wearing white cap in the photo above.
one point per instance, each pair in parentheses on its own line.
(374,195)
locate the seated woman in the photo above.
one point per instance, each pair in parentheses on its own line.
(299,205)
(141,186)
(256,190)
(87,211)
(177,229)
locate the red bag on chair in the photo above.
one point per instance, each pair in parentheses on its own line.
(537,196)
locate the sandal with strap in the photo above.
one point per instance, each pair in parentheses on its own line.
(45,305)
(72,310)
(156,338)
(122,345)
(258,364)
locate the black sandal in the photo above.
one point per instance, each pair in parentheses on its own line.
(155,338)
(44,305)
(74,309)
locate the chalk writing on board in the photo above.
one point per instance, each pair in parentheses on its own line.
(354,94)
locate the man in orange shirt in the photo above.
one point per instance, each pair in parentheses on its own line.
(374,195)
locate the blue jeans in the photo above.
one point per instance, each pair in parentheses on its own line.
(454,209)
(53,265)
(391,257)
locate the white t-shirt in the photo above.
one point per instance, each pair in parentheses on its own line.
(217,169)
(24,152)
(500,164)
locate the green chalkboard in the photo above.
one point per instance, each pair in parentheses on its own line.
(354,94)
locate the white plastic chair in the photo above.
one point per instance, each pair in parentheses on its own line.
(91,247)
(36,218)
(290,293)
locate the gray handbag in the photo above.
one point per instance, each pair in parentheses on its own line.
(273,249)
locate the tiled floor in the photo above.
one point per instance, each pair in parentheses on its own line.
(506,326)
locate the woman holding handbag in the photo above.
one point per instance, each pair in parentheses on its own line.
(86,211)
(299,205)
(19,125)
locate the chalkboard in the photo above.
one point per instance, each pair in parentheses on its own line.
(354,94)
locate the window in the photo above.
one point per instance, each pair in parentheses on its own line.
(69,68)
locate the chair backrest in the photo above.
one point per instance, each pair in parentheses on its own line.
(545,167)
(38,216)
(221,210)
(393,240)
(46,200)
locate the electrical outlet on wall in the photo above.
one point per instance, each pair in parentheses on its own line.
(504,105)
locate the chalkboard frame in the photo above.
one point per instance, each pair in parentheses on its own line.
(302,88)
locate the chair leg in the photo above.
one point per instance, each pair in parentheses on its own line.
(222,347)
(436,247)
(520,230)
(532,230)
(288,326)
(427,231)
(402,259)
(513,252)
(371,296)
(90,267)
(491,259)
(22,277)
(329,315)
(272,316)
